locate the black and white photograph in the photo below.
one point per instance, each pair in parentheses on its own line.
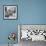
(10,11)
(32,35)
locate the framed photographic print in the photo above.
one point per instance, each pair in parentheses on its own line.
(33,32)
(10,12)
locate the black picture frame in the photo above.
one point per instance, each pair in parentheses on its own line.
(6,7)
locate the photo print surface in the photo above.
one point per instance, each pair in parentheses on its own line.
(10,12)
(33,32)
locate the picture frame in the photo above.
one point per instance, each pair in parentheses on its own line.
(10,12)
(33,31)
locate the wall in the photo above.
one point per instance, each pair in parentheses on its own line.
(29,12)
(33,12)
(7,26)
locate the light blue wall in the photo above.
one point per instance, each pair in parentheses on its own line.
(33,11)
(7,26)
(29,12)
